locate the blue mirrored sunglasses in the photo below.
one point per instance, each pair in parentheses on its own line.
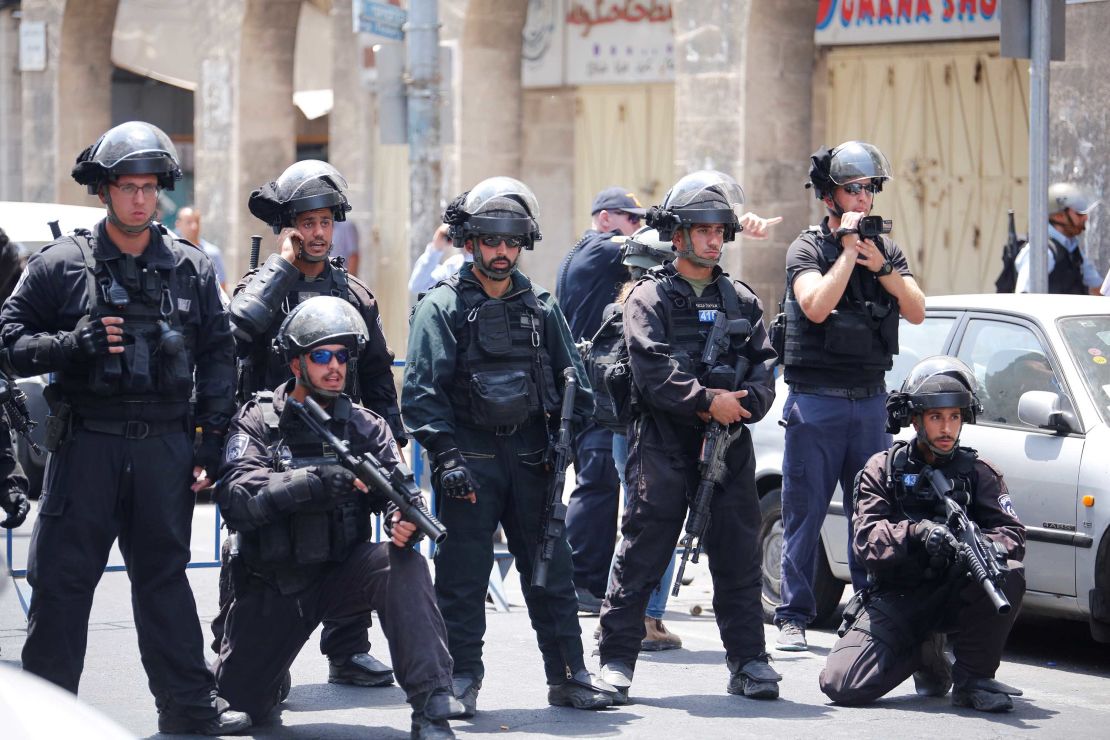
(323,356)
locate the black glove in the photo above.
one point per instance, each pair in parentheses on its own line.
(88,339)
(939,543)
(338,481)
(209,453)
(452,477)
(15,503)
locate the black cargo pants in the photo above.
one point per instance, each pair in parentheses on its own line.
(662,478)
(882,647)
(512,483)
(265,630)
(98,487)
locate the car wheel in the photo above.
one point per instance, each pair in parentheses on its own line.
(827,588)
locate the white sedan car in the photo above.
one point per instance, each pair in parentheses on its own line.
(1043,366)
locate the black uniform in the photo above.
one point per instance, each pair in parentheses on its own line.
(886,625)
(481,377)
(262,368)
(304,558)
(123,459)
(665,329)
(589,279)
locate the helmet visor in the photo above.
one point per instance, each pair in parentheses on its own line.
(939,365)
(856,160)
(501,187)
(704,186)
(299,177)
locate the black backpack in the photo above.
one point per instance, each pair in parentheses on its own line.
(605,357)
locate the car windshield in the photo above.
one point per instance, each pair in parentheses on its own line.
(1088,341)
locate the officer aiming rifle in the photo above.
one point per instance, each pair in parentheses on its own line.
(718,437)
(398,485)
(553,522)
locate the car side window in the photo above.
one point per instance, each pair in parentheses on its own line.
(915,343)
(1008,360)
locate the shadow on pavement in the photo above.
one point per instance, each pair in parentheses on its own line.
(556,721)
(724,705)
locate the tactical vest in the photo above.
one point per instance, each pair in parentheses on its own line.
(1067,272)
(503,368)
(293,551)
(149,372)
(689,322)
(275,370)
(861,332)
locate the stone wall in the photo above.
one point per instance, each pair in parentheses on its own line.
(11,107)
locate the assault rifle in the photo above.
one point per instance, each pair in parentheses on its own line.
(553,521)
(397,485)
(14,401)
(718,438)
(975,552)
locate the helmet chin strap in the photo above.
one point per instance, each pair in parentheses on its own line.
(302,254)
(688,253)
(942,456)
(306,382)
(834,210)
(115,220)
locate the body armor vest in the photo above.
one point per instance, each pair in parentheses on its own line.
(153,378)
(293,551)
(1067,272)
(861,332)
(503,369)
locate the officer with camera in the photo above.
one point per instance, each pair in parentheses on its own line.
(846,285)
(129,321)
(485,349)
(302,206)
(302,522)
(668,320)
(915,506)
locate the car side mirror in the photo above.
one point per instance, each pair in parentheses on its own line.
(1047,410)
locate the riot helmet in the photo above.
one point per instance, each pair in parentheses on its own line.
(497,206)
(702,197)
(1064,195)
(307,185)
(132,148)
(314,323)
(852,160)
(643,250)
(936,382)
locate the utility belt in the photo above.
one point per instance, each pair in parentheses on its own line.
(63,419)
(133,429)
(852,394)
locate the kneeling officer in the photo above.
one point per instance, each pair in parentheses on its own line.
(918,510)
(302,523)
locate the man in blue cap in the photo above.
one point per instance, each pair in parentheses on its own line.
(588,281)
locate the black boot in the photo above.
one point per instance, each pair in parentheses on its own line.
(430,712)
(583,690)
(935,676)
(755,679)
(224,722)
(466,690)
(360,669)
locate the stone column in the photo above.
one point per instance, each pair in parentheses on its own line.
(11,107)
(244,117)
(743,92)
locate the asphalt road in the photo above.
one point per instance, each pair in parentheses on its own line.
(677,694)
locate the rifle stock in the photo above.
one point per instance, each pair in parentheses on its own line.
(553,521)
(397,485)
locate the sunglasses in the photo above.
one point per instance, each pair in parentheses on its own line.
(493,240)
(855,188)
(633,218)
(323,356)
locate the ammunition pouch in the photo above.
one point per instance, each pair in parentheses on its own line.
(848,333)
(502,399)
(719,378)
(59,424)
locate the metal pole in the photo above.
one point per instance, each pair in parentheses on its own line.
(1041,36)
(422,83)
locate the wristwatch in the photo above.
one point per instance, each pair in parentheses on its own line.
(886,269)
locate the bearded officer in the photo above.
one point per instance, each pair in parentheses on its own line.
(302,206)
(485,348)
(919,587)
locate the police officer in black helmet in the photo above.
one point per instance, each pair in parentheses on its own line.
(667,318)
(919,587)
(485,349)
(129,321)
(302,205)
(302,523)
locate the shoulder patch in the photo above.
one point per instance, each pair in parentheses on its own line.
(1007,505)
(236,446)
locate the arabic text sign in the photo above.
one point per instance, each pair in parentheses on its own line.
(379,19)
(589,42)
(893,21)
